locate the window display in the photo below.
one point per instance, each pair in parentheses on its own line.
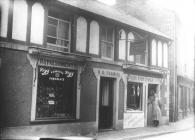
(134,96)
(56,93)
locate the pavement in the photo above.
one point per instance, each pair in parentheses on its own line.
(136,133)
(140,133)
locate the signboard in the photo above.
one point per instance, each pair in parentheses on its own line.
(144,79)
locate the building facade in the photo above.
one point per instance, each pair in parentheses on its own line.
(180,65)
(72,67)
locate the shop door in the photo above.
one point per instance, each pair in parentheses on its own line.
(106,103)
(152,89)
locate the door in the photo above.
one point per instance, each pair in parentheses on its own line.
(152,89)
(106,103)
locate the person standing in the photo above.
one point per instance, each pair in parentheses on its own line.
(156,111)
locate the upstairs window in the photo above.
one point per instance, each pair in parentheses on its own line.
(4,6)
(58,33)
(122,44)
(159,54)
(107,42)
(165,55)
(154,52)
(136,49)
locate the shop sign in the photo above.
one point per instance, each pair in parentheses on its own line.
(144,79)
(109,73)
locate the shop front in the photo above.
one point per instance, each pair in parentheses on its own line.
(139,90)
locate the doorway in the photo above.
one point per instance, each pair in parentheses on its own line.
(152,89)
(106,103)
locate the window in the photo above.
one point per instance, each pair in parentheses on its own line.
(58,33)
(81,41)
(122,44)
(56,94)
(37,27)
(134,96)
(4,6)
(20,11)
(165,55)
(107,42)
(153,53)
(136,49)
(160,54)
(94,38)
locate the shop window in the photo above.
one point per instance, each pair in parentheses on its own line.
(136,49)
(165,55)
(107,42)
(122,44)
(20,12)
(159,54)
(58,31)
(37,27)
(4,6)
(94,38)
(153,53)
(81,41)
(56,93)
(134,96)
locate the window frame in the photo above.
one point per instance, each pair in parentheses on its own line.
(141,102)
(57,28)
(107,42)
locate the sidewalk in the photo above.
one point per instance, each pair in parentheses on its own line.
(138,133)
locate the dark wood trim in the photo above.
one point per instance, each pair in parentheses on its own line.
(29,16)
(10,20)
(45,25)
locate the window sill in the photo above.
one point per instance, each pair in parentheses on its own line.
(133,111)
(52,120)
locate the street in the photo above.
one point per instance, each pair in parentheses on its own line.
(189,134)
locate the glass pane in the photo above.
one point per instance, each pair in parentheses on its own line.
(52,21)
(109,51)
(154,52)
(103,34)
(51,30)
(63,43)
(55,93)
(160,54)
(51,40)
(63,30)
(105,94)
(134,96)
(165,56)
(110,34)
(103,49)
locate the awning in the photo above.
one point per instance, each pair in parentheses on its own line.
(114,14)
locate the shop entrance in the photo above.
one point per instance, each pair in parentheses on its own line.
(106,103)
(152,89)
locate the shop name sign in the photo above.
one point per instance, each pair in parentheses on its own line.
(55,74)
(109,73)
(143,79)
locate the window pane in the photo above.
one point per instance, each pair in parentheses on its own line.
(51,40)
(63,32)
(52,21)
(55,93)
(110,34)
(52,30)
(134,96)
(37,27)
(94,38)
(20,11)
(104,34)
(160,54)
(153,55)
(4,4)
(130,57)
(165,55)
(122,44)
(81,40)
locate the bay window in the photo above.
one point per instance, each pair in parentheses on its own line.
(107,42)
(136,49)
